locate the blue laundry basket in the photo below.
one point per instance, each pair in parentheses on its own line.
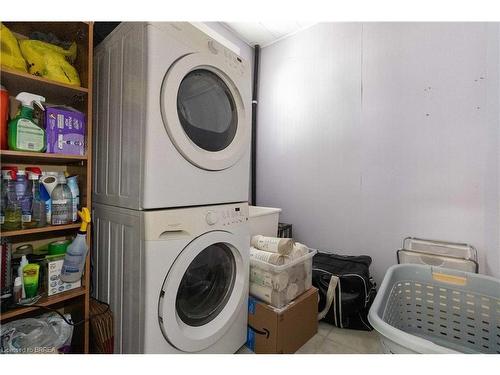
(425,309)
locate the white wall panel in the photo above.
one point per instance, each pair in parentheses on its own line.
(372,132)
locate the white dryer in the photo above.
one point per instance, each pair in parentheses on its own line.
(177,279)
(172,112)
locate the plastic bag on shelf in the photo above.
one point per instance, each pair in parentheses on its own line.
(50,61)
(48,333)
(10,54)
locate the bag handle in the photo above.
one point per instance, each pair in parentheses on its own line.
(330,296)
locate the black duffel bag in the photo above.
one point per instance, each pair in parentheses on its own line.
(346,290)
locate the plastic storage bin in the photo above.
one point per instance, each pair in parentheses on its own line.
(460,256)
(263,220)
(425,309)
(279,285)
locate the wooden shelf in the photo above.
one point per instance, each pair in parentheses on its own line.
(49,228)
(45,301)
(9,156)
(23,76)
(54,92)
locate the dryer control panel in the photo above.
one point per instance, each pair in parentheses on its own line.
(226,216)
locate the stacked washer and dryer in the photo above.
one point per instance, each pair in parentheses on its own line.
(172,152)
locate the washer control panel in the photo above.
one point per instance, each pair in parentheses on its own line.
(225,216)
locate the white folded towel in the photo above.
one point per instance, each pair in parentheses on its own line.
(268,295)
(283,246)
(278,281)
(298,250)
(264,256)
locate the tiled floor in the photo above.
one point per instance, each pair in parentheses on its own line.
(333,340)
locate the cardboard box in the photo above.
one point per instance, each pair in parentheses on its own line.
(54,283)
(276,331)
(65,130)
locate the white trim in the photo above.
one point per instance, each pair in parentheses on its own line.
(216,36)
(289,35)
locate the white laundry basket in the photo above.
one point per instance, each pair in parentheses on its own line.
(425,309)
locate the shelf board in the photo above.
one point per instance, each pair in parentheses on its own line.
(22,157)
(49,228)
(10,73)
(45,301)
(54,92)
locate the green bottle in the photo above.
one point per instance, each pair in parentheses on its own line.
(23,133)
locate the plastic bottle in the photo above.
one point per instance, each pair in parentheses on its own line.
(74,260)
(75,192)
(12,211)
(24,196)
(18,289)
(62,202)
(24,262)
(38,213)
(23,133)
(47,185)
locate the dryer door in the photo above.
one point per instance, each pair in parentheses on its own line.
(203,111)
(203,292)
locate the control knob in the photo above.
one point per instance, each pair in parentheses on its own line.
(211,217)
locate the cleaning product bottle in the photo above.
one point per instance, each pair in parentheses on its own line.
(12,210)
(38,214)
(75,192)
(23,195)
(74,260)
(23,133)
(24,262)
(62,202)
(48,183)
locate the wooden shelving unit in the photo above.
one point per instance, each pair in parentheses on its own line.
(8,156)
(80,98)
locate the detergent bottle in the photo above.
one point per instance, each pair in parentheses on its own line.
(23,133)
(74,260)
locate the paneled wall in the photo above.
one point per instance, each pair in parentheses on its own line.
(368,133)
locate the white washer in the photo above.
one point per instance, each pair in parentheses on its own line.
(177,279)
(172,113)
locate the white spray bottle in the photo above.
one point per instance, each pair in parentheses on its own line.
(74,260)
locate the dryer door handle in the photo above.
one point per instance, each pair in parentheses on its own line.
(173,234)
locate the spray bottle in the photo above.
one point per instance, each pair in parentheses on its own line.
(23,133)
(74,260)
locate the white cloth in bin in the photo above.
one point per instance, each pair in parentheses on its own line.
(264,256)
(283,246)
(278,281)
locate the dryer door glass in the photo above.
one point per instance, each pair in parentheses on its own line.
(207,111)
(206,285)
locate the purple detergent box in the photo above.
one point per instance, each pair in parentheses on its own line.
(65,128)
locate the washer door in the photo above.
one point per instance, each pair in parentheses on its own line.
(202,292)
(203,112)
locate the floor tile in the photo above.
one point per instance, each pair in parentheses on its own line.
(324,328)
(361,341)
(331,347)
(312,346)
(244,350)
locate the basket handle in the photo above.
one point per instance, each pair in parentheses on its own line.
(448,278)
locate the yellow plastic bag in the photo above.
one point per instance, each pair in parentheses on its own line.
(10,55)
(50,61)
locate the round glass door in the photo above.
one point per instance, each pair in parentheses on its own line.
(206,285)
(204,291)
(206,110)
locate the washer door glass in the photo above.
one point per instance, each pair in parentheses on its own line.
(207,110)
(206,285)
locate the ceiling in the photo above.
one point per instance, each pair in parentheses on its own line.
(265,33)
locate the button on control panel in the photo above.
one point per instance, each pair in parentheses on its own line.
(226,217)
